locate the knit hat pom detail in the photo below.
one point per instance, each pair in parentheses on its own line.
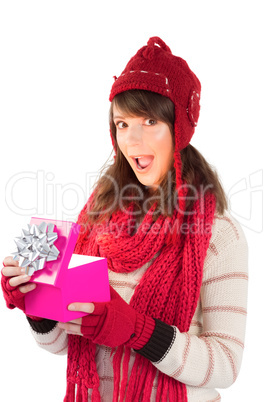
(148,53)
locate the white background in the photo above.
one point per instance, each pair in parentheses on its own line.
(57,62)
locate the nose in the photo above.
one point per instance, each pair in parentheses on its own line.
(134,135)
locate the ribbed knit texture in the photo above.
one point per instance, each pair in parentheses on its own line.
(43,326)
(159,343)
(168,291)
(145,326)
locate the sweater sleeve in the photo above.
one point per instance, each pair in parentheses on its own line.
(49,336)
(213,358)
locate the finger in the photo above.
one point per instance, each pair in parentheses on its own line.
(76,321)
(10,261)
(27,288)
(68,327)
(72,333)
(19,280)
(84,307)
(10,270)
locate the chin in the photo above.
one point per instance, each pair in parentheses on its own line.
(147,183)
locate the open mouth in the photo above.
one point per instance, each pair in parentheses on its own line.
(143,162)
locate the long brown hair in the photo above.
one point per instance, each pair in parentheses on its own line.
(118,185)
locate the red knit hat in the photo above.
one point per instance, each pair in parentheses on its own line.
(154,68)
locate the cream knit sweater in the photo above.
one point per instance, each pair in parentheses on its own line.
(209,355)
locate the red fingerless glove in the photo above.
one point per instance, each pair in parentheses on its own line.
(116,323)
(13,296)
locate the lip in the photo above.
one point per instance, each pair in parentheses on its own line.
(141,170)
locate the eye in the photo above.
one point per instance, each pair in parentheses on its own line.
(121,124)
(150,122)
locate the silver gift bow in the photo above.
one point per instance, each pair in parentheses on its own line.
(36,246)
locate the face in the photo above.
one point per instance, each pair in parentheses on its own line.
(147,145)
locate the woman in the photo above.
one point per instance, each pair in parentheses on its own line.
(175,326)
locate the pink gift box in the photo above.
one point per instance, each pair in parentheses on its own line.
(71,278)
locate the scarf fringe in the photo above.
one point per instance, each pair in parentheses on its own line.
(131,390)
(84,393)
(70,392)
(79,393)
(125,373)
(149,382)
(95,395)
(159,389)
(140,384)
(116,368)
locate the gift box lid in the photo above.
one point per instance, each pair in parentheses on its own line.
(53,272)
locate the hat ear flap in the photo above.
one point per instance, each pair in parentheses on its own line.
(183,128)
(193,108)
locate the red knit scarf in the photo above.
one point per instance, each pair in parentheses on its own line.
(168,291)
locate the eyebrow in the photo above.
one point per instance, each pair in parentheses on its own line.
(118,117)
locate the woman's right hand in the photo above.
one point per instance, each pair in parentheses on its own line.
(15,284)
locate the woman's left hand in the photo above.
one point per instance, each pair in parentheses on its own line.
(112,323)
